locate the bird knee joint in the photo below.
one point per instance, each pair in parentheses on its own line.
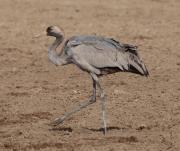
(93,99)
(103,95)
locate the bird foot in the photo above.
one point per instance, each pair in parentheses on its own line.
(57,121)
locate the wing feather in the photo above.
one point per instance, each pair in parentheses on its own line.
(102,52)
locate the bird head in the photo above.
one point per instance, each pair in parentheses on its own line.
(54,31)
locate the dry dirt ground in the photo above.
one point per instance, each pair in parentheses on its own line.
(143,113)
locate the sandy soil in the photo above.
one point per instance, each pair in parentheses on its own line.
(143,113)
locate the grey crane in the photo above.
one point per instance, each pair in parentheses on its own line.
(97,56)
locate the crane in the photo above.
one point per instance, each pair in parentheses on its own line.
(96,55)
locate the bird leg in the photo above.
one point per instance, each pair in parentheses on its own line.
(80,106)
(103,99)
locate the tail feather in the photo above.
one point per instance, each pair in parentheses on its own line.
(146,72)
(137,66)
(135,63)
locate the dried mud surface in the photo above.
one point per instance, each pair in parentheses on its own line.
(143,113)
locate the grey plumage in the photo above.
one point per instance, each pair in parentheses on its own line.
(104,53)
(98,56)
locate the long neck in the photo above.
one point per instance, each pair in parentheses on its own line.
(53,55)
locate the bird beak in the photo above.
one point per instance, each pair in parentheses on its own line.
(39,35)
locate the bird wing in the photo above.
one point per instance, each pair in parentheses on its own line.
(102,52)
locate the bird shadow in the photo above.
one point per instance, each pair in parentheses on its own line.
(102,129)
(67,129)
